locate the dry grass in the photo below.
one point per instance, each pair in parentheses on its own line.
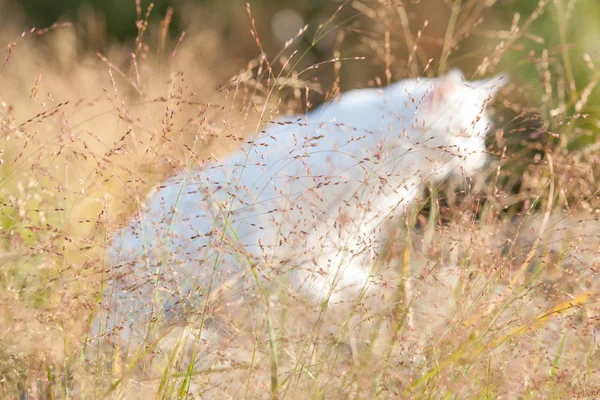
(490,290)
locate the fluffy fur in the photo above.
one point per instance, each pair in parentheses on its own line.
(307,196)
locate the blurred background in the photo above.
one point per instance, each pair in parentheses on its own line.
(385,33)
(100,22)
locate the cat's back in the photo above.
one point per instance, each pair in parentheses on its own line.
(321,158)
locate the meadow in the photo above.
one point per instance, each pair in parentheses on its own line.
(490,286)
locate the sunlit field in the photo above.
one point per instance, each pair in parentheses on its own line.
(484,285)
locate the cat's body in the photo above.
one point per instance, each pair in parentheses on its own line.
(308,195)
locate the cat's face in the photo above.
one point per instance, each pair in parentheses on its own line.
(457,117)
(456,107)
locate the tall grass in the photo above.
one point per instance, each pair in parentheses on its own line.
(489,286)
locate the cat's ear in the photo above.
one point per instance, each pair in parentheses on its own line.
(455,76)
(445,88)
(491,86)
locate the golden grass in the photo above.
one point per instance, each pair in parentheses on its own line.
(489,290)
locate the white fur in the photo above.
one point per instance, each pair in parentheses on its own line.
(310,194)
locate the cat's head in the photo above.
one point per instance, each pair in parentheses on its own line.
(456,117)
(456,107)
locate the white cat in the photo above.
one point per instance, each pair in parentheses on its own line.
(307,196)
